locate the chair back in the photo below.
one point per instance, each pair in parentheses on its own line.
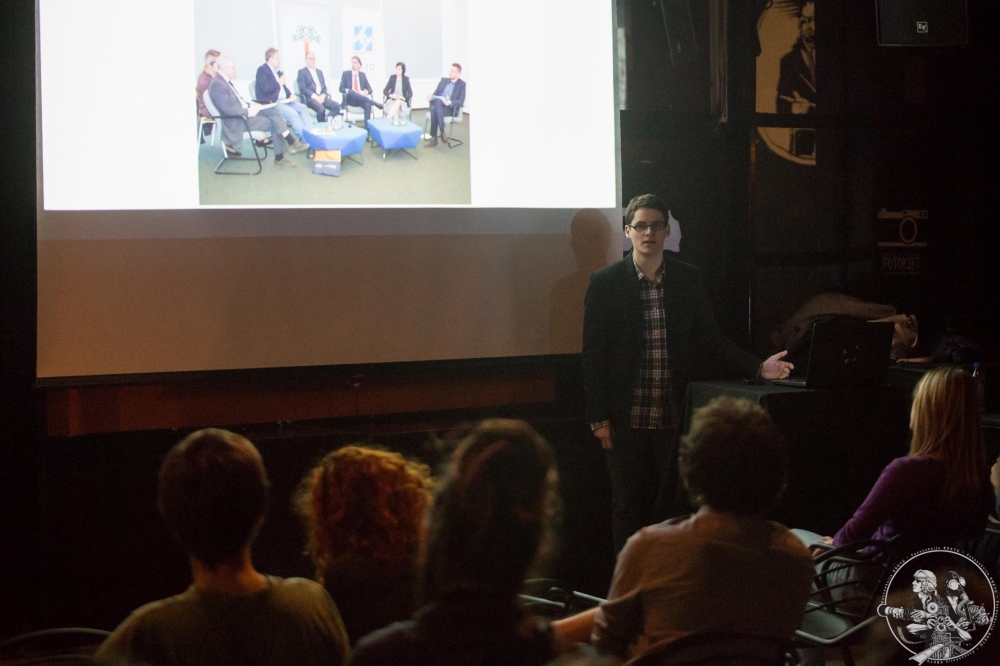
(67,645)
(210,105)
(716,649)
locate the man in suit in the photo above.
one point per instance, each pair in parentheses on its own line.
(229,103)
(271,89)
(646,318)
(449,94)
(354,84)
(312,86)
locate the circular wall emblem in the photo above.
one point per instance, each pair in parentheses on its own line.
(940,605)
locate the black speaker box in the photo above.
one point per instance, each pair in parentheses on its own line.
(922,22)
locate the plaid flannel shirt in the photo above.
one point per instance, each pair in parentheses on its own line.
(653,406)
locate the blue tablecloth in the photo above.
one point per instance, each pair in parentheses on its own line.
(394,137)
(348,139)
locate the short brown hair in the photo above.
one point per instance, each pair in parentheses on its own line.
(213,494)
(455,64)
(733,459)
(645,201)
(354,57)
(268,53)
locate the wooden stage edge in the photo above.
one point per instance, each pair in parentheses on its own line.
(108,409)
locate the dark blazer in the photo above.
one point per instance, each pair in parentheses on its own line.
(457,94)
(345,81)
(307,86)
(390,87)
(612,334)
(267,86)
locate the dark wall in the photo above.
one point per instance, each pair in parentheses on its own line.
(899,128)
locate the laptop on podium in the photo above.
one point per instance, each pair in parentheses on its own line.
(845,354)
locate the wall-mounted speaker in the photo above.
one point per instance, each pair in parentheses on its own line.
(679,25)
(922,22)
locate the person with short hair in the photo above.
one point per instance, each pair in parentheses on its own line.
(488,527)
(647,318)
(449,94)
(358,92)
(271,89)
(363,510)
(213,493)
(726,568)
(229,102)
(312,85)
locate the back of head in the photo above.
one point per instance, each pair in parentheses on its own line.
(946,422)
(213,494)
(490,515)
(365,501)
(733,459)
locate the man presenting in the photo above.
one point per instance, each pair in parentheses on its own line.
(646,317)
(354,84)
(449,94)
(312,85)
(271,89)
(258,117)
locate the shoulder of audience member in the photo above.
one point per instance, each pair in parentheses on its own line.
(385,645)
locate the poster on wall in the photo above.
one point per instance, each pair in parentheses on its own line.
(786,76)
(902,240)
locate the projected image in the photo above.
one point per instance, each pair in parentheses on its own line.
(338,102)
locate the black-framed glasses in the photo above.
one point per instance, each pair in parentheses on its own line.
(642,227)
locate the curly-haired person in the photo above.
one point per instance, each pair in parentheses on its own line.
(363,509)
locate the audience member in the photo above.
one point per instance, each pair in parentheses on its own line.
(357,91)
(488,525)
(397,91)
(363,510)
(940,493)
(213,493)
(271,89)
(230,103)
(312,85)
(205,80)
(449,94)
(724,569)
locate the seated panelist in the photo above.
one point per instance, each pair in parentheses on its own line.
(312,85)
(354,84)
(271,89)
(229,102)
(449,94)
(397,91)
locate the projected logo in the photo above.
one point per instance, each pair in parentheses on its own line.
(363,38)
(940,605)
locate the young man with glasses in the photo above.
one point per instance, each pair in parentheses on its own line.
(647,317)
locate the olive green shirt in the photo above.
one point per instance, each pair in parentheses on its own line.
(293,621)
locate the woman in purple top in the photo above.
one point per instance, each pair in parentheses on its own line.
(941,491)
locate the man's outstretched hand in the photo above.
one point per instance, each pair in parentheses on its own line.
(604,434)
(775,368)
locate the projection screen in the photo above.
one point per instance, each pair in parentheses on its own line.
(149,261)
